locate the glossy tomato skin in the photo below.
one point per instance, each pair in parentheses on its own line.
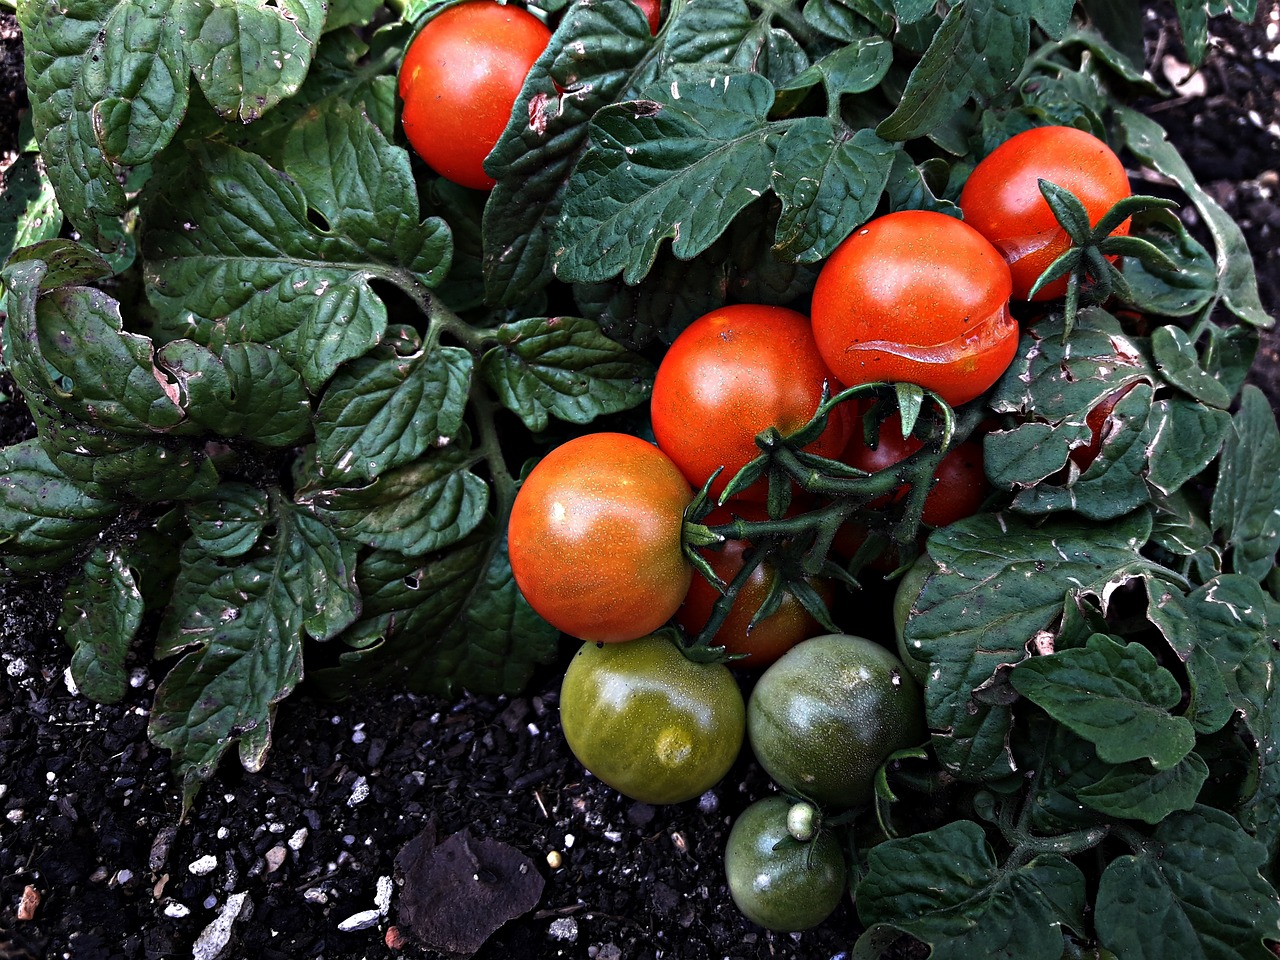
(1096,420)
(828,713)
(916,297)
(731,374)
(1002,199)
(778,882)
(594,537)
(461,76)
(652,10)
(773,636)
(648,721)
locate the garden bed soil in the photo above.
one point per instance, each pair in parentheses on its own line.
(300,860)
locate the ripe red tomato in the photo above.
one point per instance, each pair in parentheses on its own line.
(460,78)
(731,374)
(594,537)
(771,637)
(960,482)
(1002,199)
(652,9)
(916,297)
(1096,421)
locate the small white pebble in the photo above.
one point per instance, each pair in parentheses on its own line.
(124,876)
(298,839)
(204,866)
(223,833)
(215,937)
(568,840)
(533,729)
(359,792)
(613,836)
(137,678)
(15,816)
(382,898)
(17,667)
(564,928)
(70,682)
(210,902)
(177,910)
(50,777)
(360,921)
(275,857)
(275,828)
(315,895)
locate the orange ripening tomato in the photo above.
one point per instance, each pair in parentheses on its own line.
(595,537)
(461,76)
(916,297)
(731,374)
(771,637)
(1002,198)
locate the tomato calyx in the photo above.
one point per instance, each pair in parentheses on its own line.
(1089,262)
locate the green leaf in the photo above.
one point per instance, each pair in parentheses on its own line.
(245,622)
(390,407)
(1187,438)
(29,211)
(108,87)
(976,54)
(1180,292)
(44,514)
(829,186)
(679,165)
(718,37)
(946,889)
(233,254)
(248,55)
(1179,364)
(248,393)
(856,67)
(228,523)
(1246,501)
(1114,695)
(563,367)
(423,506)
(591,60)
(101,613)
(1139,791)
(1002,581)
(1194,892)
(455,622)
(1237,282)
(1193,18)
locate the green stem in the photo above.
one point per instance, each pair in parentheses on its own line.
(1065,844)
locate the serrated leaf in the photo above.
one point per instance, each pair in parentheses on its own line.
(1172,293)
(423,506)
(44,514)
(233,255)
(390,407)
(1001,581)
(229,523)
(848,20)
(108,85)
(1179,364)
(679,165)
(1195,892)
(919,187)
(563,367)
(946,889)
(976,54)
(829,186)
(456,622)
(1061,764)
(101,613)
(1188,436)
(856,67)
(1193,18)
(718,37)
(1138,791)
(248,392)
(1237,282)
(29,211)
(248,55)
(1114,695)
(1246,500)
(592,58)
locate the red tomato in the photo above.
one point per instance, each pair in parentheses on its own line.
(461,76)
(652,9)
(731,374)
(960,483)
(1002,199)
(594,537)
(916,297)
(771,637)
(1096,421)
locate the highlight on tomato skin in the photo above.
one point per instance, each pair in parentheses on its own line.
(594,537)
(1002,200)
(461,76)
(731,374)
(916,297)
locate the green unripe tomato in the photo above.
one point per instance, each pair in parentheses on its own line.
(909,588)
(650,722)
(828,713)
(778,882)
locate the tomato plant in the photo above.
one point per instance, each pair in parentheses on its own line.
(828,713)
(650,722)
(777,881)
(594,537)
(920,297)
(1002,198)
(731,374)
(460,78)
(760,644)
(1096,420)
(904,598)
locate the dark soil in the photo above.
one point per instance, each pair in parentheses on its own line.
(292,859)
